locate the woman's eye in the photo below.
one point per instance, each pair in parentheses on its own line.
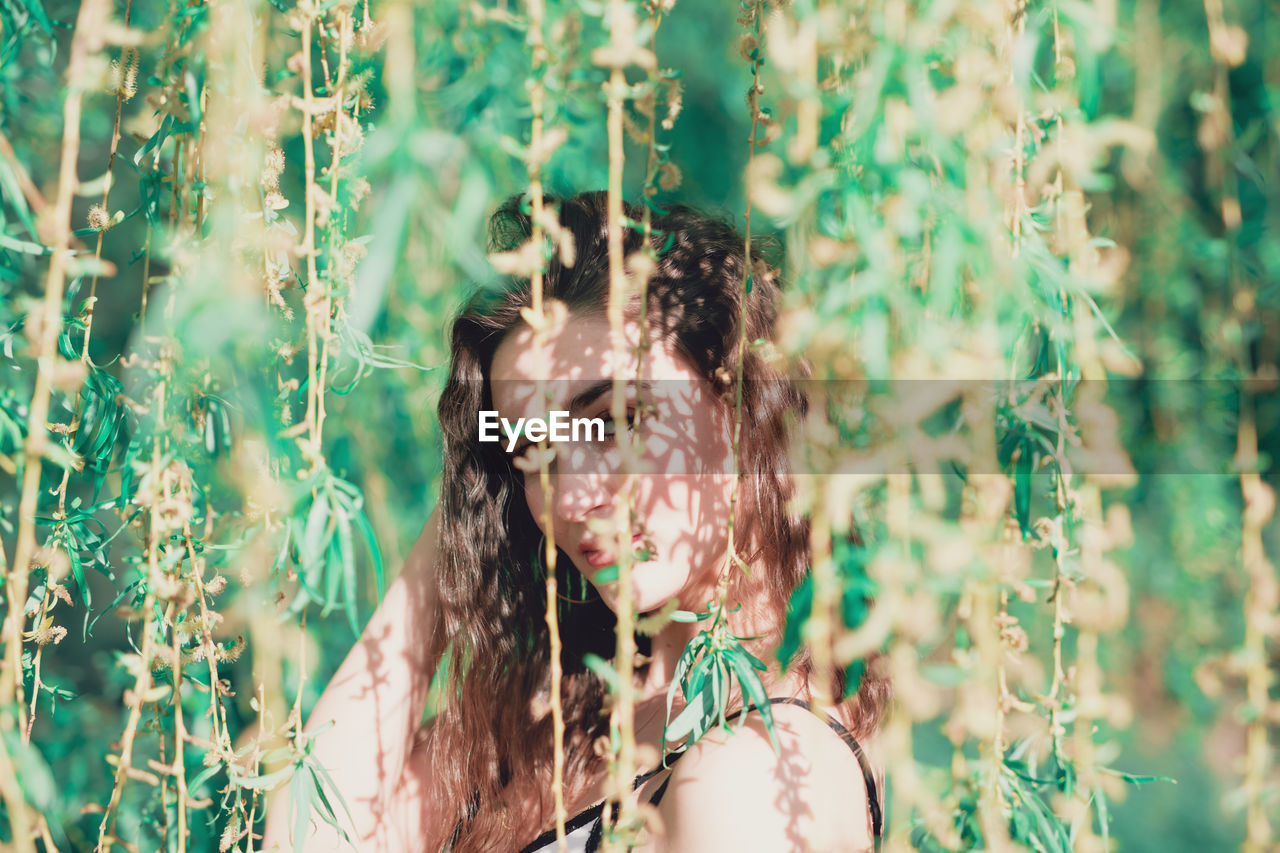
(529,459)
(610,428)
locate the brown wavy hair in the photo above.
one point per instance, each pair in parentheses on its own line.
(490,744)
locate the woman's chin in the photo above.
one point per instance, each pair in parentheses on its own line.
(654,583)
(641,602)
(645,597)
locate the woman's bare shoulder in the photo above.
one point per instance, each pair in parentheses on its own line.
(732,791)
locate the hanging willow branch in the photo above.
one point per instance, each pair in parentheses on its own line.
(622,716)
(541,322)
(941,175)
(1227,45)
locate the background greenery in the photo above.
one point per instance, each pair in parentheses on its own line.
(1081,193)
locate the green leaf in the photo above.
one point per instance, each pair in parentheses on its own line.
(77,570)
(258,783)
(798,612)
(34,777)
(25,247)
(683,664)
(157,139)
(325,782)
(1104,819)
(753,688)
(1133,779)
(1022,490)
(205,775)
(853,675)
(283,555)
(687,617)
(605,670)
(698,676)
(348,569)
(694,715)
(375,553)
(332,568)
(719,690)
(755,662)
(315,537)
(302,795)
(112,606)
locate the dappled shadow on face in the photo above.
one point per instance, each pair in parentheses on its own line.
(681,472)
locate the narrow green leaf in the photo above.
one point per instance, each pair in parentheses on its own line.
(258,783)
(302,794)
(375,553)
(313,544)
(25,247)
(753,688)
(701,708)
(1133,779)
(698,676)
(798,611)
(1022,490)
(605,670)
(348,569)
(324,782)
(686,616)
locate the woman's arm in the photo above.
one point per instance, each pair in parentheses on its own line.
(375,703)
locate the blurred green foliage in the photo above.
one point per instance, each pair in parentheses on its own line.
(180,424)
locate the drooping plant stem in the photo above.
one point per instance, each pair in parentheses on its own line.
(751,20)
(537,91)
(316,298)
(50,326)
(50,320)
(648,108)
(141,690)
(622,717)
(127,67)
(1258,497)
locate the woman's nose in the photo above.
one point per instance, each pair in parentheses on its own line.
(581,496)
(584,485)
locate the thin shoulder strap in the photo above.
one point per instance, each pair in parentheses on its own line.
(868,776)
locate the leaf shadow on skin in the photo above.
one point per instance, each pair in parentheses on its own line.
(373,647)
(794,766)
(788,772)
(380,690)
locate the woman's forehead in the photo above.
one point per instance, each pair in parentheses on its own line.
(582,348)
(578,354)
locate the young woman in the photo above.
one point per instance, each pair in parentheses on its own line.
(478,776)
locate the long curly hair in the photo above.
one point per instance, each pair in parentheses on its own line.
(491,743)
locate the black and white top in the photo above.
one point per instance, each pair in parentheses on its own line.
(583,831)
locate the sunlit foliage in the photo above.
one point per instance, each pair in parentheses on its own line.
(1028,251)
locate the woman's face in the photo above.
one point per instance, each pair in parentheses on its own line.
(681,496)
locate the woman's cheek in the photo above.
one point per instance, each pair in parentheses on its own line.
(533,498)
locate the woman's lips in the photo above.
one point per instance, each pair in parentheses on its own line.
(598,558)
